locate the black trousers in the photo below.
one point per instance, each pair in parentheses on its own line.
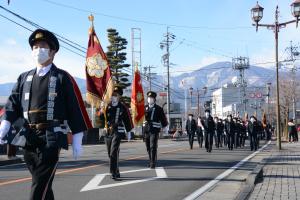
(113,150)
(151,140)
(230,140)
(200,138)
(209,141)
(42,164)
(191,139)
(218,139)
(253,141)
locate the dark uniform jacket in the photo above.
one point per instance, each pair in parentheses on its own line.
(155,119)
(230,128)
(119,119)
(64,103)
(219,127)
(253,128)
(209,125)
(191,126)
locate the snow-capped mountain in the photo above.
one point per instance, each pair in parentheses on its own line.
(212,76)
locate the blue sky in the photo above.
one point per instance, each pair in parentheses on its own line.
(223,30)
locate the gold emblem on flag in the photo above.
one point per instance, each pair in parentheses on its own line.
(139,97)
(96,66)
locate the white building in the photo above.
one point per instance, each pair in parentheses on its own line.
(228,100)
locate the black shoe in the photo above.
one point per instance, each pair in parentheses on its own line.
(118,175)
(113,176)
(152,166)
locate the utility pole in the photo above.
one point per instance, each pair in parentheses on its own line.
(149,75)
(169,37)
(241,64)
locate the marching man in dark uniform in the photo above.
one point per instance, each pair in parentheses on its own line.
(191,128)
(230,131)
(209,130)
(155,119)
(45,98)
(119,123)
(253,131)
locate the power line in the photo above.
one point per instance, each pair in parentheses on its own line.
(60,38)
(145,21)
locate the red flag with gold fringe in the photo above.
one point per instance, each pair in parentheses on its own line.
(137,99)
(99,81)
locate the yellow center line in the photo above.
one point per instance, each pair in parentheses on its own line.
(85,168)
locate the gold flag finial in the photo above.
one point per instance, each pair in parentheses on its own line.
(136,67)
(91,19)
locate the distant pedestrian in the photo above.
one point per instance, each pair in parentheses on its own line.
(230,131)
(191,128)
(292,131)
(209,130)
(253,129)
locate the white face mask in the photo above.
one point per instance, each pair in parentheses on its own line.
(207,114)
(40,55)
(114,99)
(229,118)
(150,101)
(190,118)
(252,120)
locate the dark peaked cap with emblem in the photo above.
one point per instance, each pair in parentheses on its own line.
(44,35)
(118,90)
(151,94)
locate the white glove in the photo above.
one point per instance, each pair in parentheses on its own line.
(165,129)
(4,128)
(77,145)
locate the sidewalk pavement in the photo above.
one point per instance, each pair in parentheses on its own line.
(239,183)
(281,175)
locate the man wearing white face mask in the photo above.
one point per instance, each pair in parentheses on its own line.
(155,119)
(253,131)
(45,97)
(191,128)
(209,130)
(119,122)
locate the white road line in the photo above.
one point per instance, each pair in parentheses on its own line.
(210,184)
(94,184)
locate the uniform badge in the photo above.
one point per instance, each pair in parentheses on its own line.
(39,35)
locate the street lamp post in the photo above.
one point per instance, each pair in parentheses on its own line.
(191,94)
(268,100)
(257,15)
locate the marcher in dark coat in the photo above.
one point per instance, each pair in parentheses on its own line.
(209,130)
(253,129)
(230,131)
(191,128)
(47,98)
(219,131)
(155,120)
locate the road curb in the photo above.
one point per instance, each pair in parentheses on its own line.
(10,161)
(256,176)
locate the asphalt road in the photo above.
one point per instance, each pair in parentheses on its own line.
(180,172)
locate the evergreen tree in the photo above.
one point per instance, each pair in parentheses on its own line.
(116,59)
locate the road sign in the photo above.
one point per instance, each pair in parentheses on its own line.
(94,184)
